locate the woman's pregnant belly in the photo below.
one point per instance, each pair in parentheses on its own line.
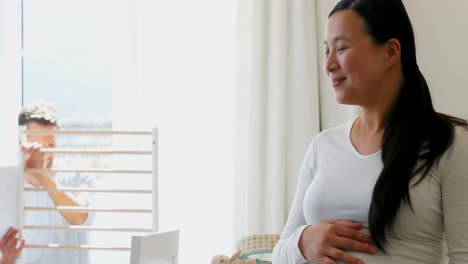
(404,252)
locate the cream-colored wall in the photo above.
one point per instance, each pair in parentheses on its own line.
(441,29)
(442,48)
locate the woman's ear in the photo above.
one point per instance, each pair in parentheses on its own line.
(393,51)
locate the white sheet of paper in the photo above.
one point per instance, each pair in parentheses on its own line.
(8,198)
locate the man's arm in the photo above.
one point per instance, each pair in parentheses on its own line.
(34,158)
(63,199)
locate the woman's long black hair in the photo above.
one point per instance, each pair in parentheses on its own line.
(414,131)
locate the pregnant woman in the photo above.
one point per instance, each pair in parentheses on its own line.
(390,186)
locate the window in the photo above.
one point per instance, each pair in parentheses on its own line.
(137,64)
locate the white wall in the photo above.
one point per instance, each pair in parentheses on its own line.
(10,80)
(442,48)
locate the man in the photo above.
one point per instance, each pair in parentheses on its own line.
(43,117)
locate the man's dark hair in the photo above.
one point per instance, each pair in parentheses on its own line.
(41,113)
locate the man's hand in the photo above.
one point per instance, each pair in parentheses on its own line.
(35,159)
(11,246)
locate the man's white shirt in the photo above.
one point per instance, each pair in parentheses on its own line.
(54,218)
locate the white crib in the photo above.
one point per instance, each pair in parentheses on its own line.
(151,151)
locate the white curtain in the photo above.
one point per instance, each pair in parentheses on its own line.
(178,74)
(277,108)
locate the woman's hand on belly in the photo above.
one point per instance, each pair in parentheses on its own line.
(327,242)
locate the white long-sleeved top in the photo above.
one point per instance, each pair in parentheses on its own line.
(336,182)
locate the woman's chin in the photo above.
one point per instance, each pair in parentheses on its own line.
(341,99)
